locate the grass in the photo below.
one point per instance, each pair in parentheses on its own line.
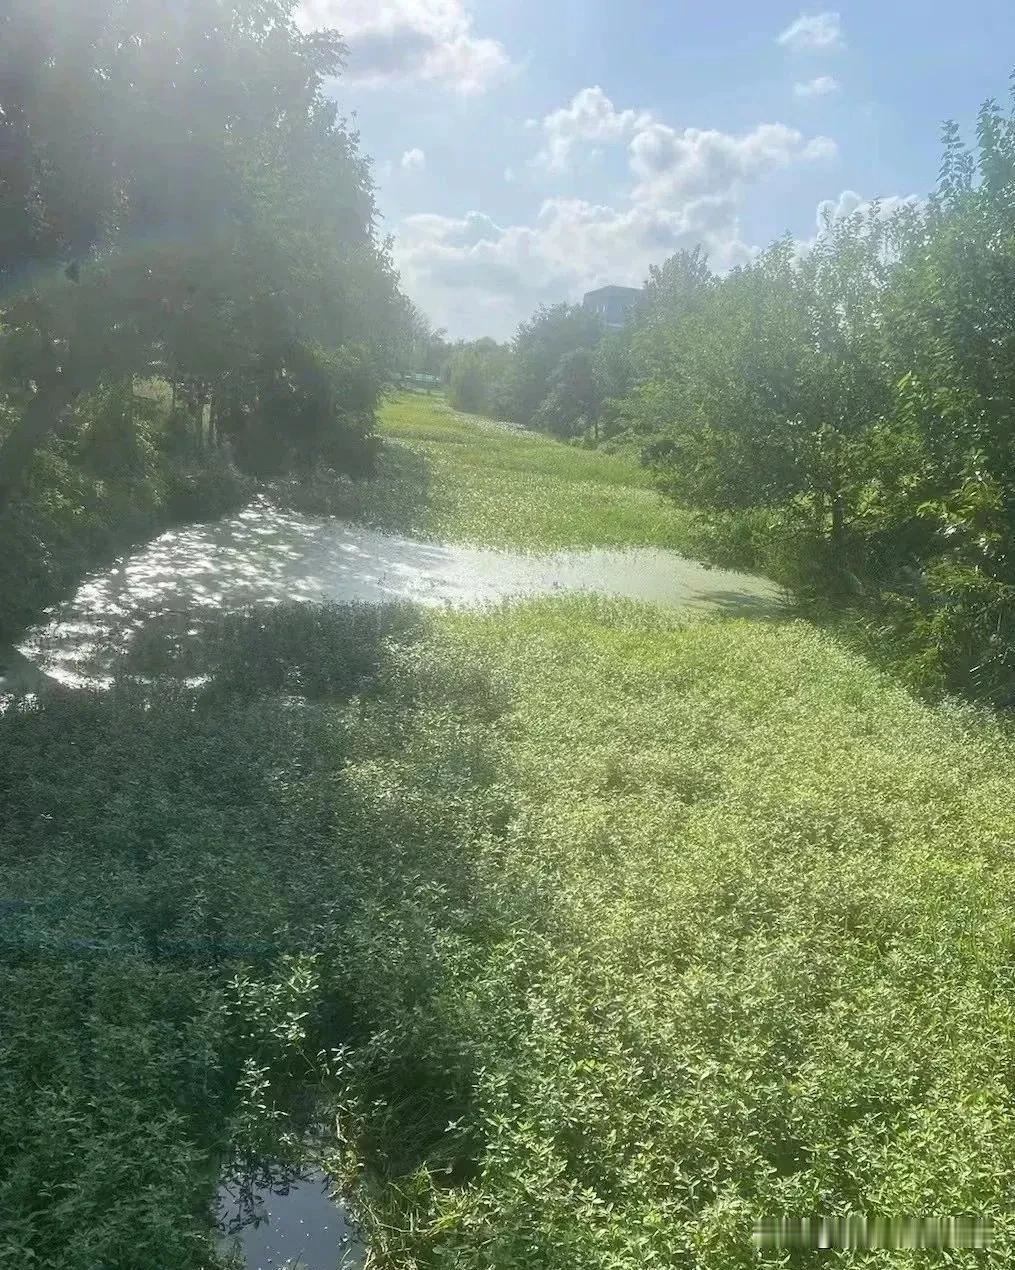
(494,486)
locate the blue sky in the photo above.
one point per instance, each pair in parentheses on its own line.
(526,150)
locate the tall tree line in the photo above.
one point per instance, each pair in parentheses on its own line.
(842,414)
(193,290)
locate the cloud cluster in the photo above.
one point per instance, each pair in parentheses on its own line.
(590,116)
(849,203)
(686,188)
(403,40)
(473,275)
(813,31)
(414,160)
(674,167)
(820,86)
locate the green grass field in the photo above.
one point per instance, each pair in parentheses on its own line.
(494,486)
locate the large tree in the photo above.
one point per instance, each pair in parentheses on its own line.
(539,344)
(176,195)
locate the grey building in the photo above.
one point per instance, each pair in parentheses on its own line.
(613,304)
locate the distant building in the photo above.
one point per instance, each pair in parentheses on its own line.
(613,304)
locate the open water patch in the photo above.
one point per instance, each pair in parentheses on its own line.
(264,555)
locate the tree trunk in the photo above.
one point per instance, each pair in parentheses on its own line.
(39,419)
(214,415)
(838,527)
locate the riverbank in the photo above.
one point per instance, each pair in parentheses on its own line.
(597,931)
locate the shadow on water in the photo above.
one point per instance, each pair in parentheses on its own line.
(753,604)
(396,499)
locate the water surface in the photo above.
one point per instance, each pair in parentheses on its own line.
(301,1224)
(263,555)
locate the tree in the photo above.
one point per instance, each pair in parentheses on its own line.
(538,348)
(572,405)
(176,196)
(476,373)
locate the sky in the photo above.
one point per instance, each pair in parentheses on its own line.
(526,151)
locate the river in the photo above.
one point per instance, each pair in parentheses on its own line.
(263,555)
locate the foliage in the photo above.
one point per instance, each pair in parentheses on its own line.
(538,347)
(839,413)
(195,889)
(600,934)
(563,374)
(213,226)
(476,377)
(760,900)
(193,289)
(114,478)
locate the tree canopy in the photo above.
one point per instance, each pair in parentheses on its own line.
(178,197)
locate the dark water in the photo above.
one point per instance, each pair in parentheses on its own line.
(299,1225)
(264,556)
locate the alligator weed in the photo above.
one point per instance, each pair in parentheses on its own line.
(495,485)
(593,933)
(760,963)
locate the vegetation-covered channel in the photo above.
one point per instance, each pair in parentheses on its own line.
(590,933)
(566,934)
(207,892)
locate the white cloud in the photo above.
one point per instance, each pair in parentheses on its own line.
(849,203)
(427,40)
(589,116)
(831,211)
(672,166)
(414,160)
(473,275)
(813,31)
(821,86)
(819,148)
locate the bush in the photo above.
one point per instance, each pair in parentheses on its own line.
(477,378)
(317,409)
(113,480)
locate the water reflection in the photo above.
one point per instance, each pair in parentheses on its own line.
(290,1224)
(264,555)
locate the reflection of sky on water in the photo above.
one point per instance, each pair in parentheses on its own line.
(299,1225)
(264,555)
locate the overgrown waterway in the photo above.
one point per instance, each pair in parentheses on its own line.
(263,555)
(556,912)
